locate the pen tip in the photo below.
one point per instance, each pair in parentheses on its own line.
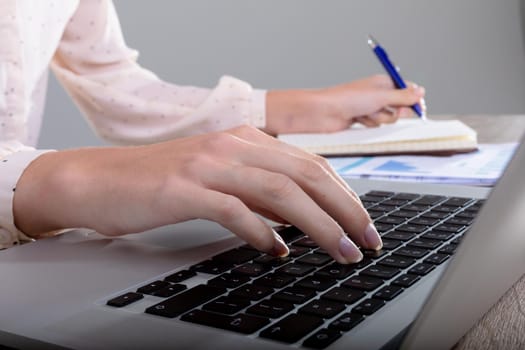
(371,41)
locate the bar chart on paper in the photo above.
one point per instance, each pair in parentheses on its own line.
(481,168)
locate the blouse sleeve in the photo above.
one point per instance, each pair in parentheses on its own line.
(127,104)
(14,158)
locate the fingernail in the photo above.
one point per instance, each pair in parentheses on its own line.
(349,250)
(280,248)
(372,238)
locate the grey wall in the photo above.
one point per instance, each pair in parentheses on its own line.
(469,54)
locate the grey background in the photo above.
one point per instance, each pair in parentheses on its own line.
(469,54)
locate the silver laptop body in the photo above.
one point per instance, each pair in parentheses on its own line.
(53,292)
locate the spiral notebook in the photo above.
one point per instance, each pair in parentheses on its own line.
(407,136)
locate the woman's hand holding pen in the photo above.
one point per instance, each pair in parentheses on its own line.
(371,101)
(222,176)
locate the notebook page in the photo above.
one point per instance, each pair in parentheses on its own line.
(402,131)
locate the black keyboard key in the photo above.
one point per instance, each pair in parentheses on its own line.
(449,249)
(290,233)
(434,215)
(185,301)
(296,270)
(295,295)
(388,292)
(383,208)
(411,228)
(371,198)
(406,214)
(292,328)
(322,308)
(274,280)
(449,228)
(180,276)
(363,263)
(251,269)
(397,261)
(395,202)
(272,261)
(321,251)
(306,242)
(251,291)
(456,201)
(297,251)
(382,228)
(429,200)
(152,287)
(236,256)
(390,244)
(445,208)
(406,280)
(424,221)
(436,259)
(467,214)
(380,194)
(125,299)
(399,235)
(170,290)
(227,305)
(442,236)
(415,207)
(228,280)
(344,295)
(412,252)
(314,259)
(318,283)
(336,270)
(374,254)
(390,220)
(211,267)
(347,321)
(363,283)
(322,338)
(240,323)
(421,269)
(459,221)
(403,195)
(379,271)
(425,243)
(369,306)
(271,308)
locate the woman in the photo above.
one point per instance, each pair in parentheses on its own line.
(190,152)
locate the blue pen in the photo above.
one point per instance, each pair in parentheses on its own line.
(392,71)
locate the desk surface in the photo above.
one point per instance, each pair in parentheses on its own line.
(492,128)
(502,327)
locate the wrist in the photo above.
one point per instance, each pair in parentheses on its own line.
(287,110)
(45,193)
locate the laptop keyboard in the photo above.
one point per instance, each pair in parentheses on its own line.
(307,298)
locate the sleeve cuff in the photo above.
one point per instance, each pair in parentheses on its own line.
(11,168)
(258,115)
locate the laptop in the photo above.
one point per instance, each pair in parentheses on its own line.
(450,252)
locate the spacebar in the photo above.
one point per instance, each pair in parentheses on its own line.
(185,301)
(239,323)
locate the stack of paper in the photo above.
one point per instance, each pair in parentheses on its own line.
(481,168)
